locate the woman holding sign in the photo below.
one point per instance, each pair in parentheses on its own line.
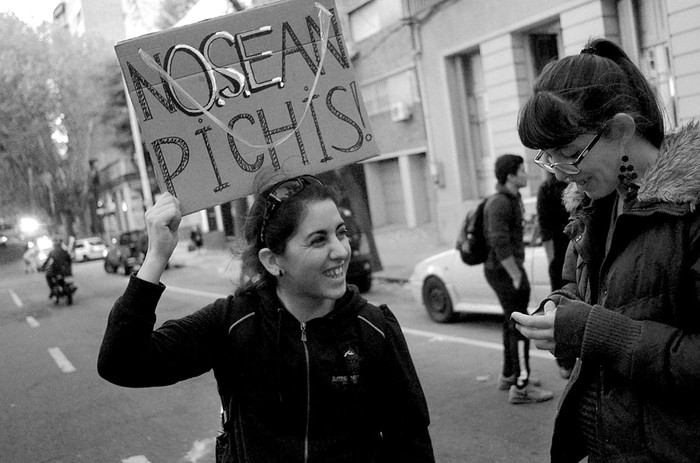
(307,370)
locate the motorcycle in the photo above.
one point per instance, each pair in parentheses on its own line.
(62,287)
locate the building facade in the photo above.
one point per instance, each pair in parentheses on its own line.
(474,63)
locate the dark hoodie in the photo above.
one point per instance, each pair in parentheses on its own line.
(340,388)
(632,317)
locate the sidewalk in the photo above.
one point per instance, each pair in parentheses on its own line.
(400,249)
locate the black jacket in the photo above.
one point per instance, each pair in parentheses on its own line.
(632,316)
(340,388)
(58,262)
(503,227)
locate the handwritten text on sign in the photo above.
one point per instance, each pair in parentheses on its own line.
(222,98)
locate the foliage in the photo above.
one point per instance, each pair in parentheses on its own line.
(51,110)
(78,75)
(171,11)
(116,114)
(26,111)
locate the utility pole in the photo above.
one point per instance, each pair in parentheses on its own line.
(138,150)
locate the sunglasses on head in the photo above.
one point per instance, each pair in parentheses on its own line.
(567,168)
(281,192)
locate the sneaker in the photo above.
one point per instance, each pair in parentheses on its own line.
(505,382)
(528,395)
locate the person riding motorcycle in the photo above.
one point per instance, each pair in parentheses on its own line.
(57,263)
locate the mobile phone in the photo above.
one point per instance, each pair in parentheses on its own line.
(537,311)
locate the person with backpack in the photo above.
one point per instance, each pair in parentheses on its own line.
(505,273)
(307,370)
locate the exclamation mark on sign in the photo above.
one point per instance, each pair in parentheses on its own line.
(353,87)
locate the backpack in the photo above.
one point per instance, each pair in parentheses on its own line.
(471,241)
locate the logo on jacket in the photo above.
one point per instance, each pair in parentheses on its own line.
(352,365)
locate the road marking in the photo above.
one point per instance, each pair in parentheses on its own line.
(427,334)
(201,449)
(61,360)
(136,459)
(437,337)
(15,297)
(32,322)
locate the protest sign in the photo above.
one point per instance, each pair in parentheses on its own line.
(267,89)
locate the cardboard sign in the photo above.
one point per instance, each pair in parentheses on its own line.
(221,100)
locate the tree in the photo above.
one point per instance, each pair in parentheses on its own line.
(25,121)
(52,98)
(78,76)
(171,11)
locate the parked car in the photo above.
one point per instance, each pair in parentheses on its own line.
(127,252)
(360,268)
(5,231)
(440,283)
(92,248)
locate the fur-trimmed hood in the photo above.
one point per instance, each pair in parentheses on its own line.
(673,178)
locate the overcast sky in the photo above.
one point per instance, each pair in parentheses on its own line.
(32,12)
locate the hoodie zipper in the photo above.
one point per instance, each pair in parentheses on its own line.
(308,392)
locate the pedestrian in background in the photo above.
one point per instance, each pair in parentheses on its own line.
(29,257)
(630,308)
(307,369)
(58,262)
(196,237)
(505,273)
(552,217)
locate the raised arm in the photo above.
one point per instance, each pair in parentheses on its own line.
(162,222)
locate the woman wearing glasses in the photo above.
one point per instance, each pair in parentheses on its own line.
(307,370)
(631,309)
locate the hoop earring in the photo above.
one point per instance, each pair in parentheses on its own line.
(627,176)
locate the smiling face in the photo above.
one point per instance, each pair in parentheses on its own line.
(317,256)
(599,169)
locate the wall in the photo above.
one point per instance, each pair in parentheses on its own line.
(684,26)
(498,32)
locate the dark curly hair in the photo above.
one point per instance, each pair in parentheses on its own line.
(281,226)
(579,94)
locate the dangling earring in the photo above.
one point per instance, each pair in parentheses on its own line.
(281,273)
(627,176)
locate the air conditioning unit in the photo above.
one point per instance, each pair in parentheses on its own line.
(400,111)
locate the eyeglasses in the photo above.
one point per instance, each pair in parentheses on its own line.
(568,168)
(282,191)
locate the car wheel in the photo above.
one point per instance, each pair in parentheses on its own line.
(437,300)
(109,268)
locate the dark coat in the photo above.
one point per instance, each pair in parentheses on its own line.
(503,227)
(58,262)
(632,316)
(339,388)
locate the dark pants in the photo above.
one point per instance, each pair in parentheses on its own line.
(516,347)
